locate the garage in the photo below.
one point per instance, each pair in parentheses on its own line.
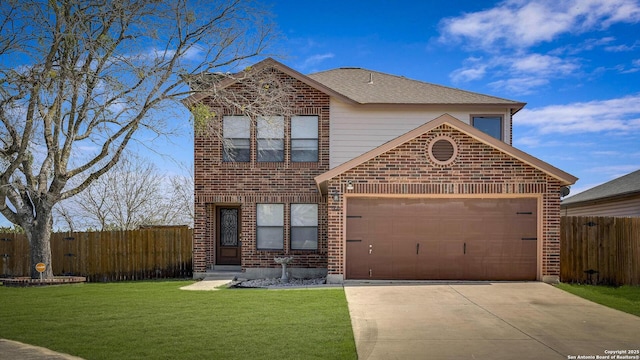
(441,238)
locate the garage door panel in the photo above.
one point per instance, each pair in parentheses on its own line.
(469,239)
(357,247)
(357,266)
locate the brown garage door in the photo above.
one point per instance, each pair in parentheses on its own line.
(446,239)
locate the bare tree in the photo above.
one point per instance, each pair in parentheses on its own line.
(81,80)
(256,92)
(132,194)
(182,197)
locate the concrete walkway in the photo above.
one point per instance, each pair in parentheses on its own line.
(206,285)
(482,320)
(13,350)
(213,281)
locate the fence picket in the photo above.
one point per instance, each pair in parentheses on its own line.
(610,246)
(148,253)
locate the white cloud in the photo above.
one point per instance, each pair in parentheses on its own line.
(468,74)
(521,23)
(605,153)
(511,30)
(519,85)
(526,71)
(314,60)
(542,65)
(614,115)
(623,47)
(194,53)
(530,141)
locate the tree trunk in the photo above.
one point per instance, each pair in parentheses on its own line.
(39,236)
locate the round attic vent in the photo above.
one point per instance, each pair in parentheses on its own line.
(442,150)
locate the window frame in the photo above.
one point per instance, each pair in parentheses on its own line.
(499,116)
(291,226)
(316,139)
(227,141)
(258,227)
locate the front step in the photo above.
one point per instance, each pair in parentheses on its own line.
(236,268)
(223,272)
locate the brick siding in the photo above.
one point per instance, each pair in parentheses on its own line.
(249,183)
(478,169)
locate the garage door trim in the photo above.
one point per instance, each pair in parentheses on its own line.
(539,220)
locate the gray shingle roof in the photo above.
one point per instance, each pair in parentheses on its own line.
(624,185)
(372,87)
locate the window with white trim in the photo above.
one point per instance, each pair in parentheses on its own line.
(236,142)
(304,138)
(270,134)
(304,226)
(270,226)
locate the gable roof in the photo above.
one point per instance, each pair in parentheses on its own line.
(201,82)
(625,185)
(563,177)
(357,86)
(372,87)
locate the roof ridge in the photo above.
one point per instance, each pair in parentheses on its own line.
(332,79)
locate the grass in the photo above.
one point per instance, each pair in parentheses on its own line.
(156,320)
(624,298)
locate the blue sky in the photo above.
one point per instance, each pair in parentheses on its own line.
(576,63)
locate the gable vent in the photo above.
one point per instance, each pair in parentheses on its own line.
(442,150)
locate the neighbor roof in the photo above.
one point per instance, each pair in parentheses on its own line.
(624,185)
(373,87)
(565,178)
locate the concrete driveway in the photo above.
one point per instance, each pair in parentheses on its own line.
(484,320)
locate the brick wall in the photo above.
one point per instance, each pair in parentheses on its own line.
(249,183)
(478,169)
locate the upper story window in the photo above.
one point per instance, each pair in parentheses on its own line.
(236,133)
(489,124)
(304,138)
(270,136)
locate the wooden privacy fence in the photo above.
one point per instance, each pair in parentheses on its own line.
(600,250)
(152,253)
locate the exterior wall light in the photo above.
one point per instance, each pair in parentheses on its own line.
(349,185)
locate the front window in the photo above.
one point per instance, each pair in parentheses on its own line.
(304,226)
(270,135)
(489,124)
(236,141)
(270,226)
(304,138)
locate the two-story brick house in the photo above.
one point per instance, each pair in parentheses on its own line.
(374,176)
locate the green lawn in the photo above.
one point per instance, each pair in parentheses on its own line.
(624,298)
(156,320)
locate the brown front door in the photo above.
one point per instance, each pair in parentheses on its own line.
(228,249)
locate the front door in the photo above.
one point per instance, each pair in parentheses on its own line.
(228,249)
